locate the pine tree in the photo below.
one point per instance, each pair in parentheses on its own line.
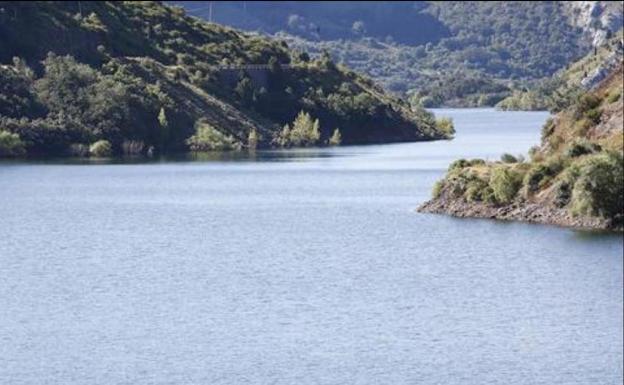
(336,138)
(252,139)
(164,128)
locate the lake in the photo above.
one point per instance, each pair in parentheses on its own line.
(297,267)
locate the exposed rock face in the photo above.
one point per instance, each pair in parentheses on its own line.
(606,67)
(597,19)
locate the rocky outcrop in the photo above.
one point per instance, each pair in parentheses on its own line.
(604,68)
(597,19)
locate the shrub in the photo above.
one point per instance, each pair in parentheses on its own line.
(101,148)
(79,149)
(582,147)
(463,163)
(563,190)
(613,97)
(11,144)
(508,158)
(540,174)
(305,131)
(252,139)
(437,188)
(445,126)
(476,162)
(505,184)
(336,138)
(548,128)
(586,103)
(208,138)
(459,164)
(599,188)
(593,115)
(475,190)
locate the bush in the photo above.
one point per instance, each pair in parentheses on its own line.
(463,163)
(101,148)
(437,188)
(599,188)
(548,128)
(11,144)
(459,164)
(508,158)
(445,126)
(505,184)
(208,138)
(582,147)
(540,174)
(305,131)
(336,138)
(586,103)
(252,139)
(593,115)
(476,190)
(613,97)
(563,188)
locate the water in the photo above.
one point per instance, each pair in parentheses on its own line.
(301,267)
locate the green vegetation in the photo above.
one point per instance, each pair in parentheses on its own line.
(438,53)
(10,144)
(508,158)
(599,187)
(445,125)
(579,167)
(565,87)
(304,132)
(147,78)
(101,148)
(208,138)
(336,138)
(505,183)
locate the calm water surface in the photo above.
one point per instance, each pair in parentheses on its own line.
(297,267)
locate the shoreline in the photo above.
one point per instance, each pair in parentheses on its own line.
(517,212)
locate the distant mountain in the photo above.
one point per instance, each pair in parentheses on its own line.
(404,22)
(139,77)
(440,53)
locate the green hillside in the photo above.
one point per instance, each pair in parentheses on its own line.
(144,77)
(565,86)
(573,178)
(440,53)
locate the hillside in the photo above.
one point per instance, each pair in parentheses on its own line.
(438,53)
(565,86)
(137,77)
(574,178)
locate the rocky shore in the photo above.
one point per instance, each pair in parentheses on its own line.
(524,212)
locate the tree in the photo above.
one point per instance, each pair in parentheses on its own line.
(252,139)
(305,131)
(336,138)
(245,90)
(164,127)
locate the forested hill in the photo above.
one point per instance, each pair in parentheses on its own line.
(443,53)
(136,77)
